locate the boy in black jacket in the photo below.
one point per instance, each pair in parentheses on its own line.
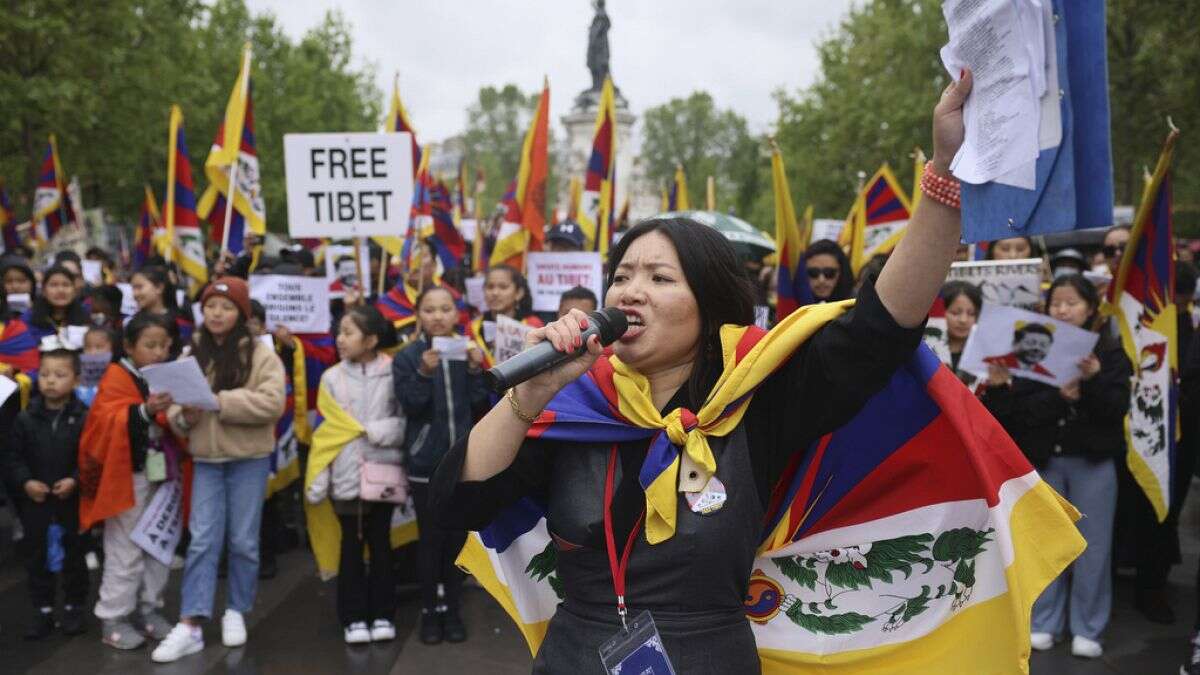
(40,465)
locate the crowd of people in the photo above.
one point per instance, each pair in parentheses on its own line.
(82,462)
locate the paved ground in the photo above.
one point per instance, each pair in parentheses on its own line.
(293,630)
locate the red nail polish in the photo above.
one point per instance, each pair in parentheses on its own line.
(583,324)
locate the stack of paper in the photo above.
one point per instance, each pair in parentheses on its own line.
(1013,111)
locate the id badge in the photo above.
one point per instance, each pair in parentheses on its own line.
(156,466)
(636,651)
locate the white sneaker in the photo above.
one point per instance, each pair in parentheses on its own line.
(233,629)
(180,642)
(1041,641)
(1085,648)
(382,630)
(357,633)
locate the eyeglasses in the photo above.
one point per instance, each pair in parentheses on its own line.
(827,272)
(1112,251)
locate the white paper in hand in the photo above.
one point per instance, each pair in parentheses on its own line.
(184,381)
(451,348)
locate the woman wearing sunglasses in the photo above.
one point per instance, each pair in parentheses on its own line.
(829,273)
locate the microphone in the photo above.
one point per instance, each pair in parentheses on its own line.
(610,324)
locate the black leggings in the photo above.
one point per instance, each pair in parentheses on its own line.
(363,595)
(437,549)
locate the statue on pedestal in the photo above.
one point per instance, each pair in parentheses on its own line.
(597,53)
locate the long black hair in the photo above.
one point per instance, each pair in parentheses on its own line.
(158,276)
(370,321)
(42,314)
(525,305)
(228,361)
(844,288)
(717,278)
(1086,290)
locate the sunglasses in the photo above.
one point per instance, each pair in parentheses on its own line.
(827,272)
(1114,251)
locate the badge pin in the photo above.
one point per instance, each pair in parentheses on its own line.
(710,499)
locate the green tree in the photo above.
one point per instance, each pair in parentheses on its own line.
(496,125)
(708,142)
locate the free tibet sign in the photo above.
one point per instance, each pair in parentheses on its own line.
(349,184)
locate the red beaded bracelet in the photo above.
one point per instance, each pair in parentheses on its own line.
(941,189)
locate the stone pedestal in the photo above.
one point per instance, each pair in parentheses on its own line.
(580,125)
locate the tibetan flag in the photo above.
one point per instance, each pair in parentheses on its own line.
(292,429)
(526,234)
(574,195)
(790,242)
(446,239)
(399,306)
(234,151)
(8,221)
(52,207)
(459,195)
(19,346)
(479,247)
(1142,298)
(420,216)
(677,196)
(149,223)
(914,539)
(179,209)
(877,221)
(622,219)
(397,121)
(596,210)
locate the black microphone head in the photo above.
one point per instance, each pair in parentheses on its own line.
(612,324)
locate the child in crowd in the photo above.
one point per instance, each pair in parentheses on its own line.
(122,466)
(1072,434)
(99,342)
(579,298)
(441,399)
(231,449)
(41,471)
(154,293)
(361,385)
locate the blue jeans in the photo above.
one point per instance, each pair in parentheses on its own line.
(227,500)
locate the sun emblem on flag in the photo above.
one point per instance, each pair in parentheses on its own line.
(764,597)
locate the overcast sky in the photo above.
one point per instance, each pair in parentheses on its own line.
(738,50)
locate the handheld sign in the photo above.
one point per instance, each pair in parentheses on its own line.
(300,303)
(552,274)
(349,184)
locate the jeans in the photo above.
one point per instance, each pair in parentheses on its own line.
(364,595)
(227,501)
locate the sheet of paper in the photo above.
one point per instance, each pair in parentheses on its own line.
(93,272)
(510,338)
(18,302)
(1001,114)
(451,348)
(184,381)
(7,387)
(1049,103)
(129,306)
(92,367)
(1028,344)
(475,296)
(73,336)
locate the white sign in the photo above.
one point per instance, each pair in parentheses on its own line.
(92,367)
(184,381)
(157,531)
(1014,283)
(348,184)
(336,252)
(552,274)
(93,272)
(450,348)
(826,228)
(129,306)
(73,336)
(7,387)
(475,297)
(1028,344)
(18,302)
(510,338)
(299,303)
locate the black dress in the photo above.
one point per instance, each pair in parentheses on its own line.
(695,582)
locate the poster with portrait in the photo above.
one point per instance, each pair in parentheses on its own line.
(1013,283)
(1029,345)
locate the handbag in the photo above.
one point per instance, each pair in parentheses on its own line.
(380,482)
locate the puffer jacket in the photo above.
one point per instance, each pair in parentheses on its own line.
(244,428)
(440,409)
(365,391)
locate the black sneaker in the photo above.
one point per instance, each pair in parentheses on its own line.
(42,625)
(453,627)
(431,627)
(1191,666)
(72,620)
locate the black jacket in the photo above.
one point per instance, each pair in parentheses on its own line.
(1043,423)
(43,445)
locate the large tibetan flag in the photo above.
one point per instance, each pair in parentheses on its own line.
(877,220)
(446,239)
(398,122)
(914,539)
(179,209)
(52,207)
(677,194)
(234,151)
(527,234)
(1142,298)
(148,225)
(8,221)
(790,242)
(597,210)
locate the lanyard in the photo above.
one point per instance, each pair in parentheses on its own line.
(618,570)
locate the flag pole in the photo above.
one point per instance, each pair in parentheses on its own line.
(384,259)
(237,156)
(358,265)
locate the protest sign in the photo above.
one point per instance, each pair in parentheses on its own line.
(129,306)
(93,272)
(552,274)
(826,228)
(1013,283)
(348,184)
(19,302)
(510,338)
(92,367)
(157,531)
(1028,344)
(475,296)
(299,303)
(335,253)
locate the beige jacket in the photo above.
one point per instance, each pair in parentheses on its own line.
(244,428)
